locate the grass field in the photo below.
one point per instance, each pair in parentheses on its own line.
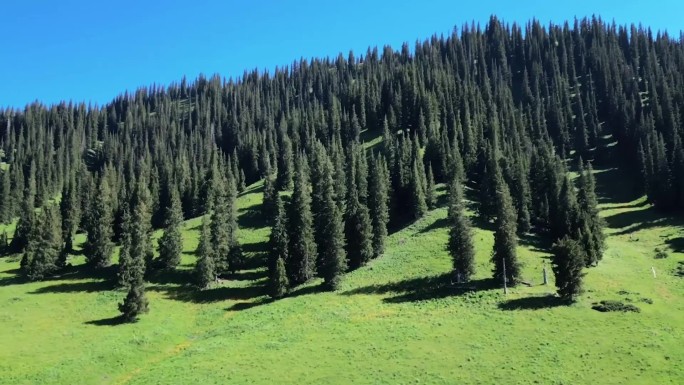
(395,321)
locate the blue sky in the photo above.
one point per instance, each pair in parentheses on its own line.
(94,50)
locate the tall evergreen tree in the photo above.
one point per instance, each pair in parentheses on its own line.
(505,238)
(278,284)
(378,203)
(418,206)
(42,253)
(430,188)
(98,246)
(70,210)
(332,263)
(135,303)
(205,268)
(460,243)
(171,242)
(568,263)
(301,262)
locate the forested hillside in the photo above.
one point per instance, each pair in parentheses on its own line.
(351,149)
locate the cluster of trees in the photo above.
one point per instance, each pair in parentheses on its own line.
(499,110)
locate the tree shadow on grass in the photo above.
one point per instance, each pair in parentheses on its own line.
(251,218)
(77,287)
(247,275)
(424,288)
(536,242)
(113,321)
(189,293)
(437,224)
(70,273)
(676,244)
(532,303)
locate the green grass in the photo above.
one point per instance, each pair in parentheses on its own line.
(394,321)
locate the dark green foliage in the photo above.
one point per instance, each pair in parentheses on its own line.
(124,274)
(359,233)
(460,244)
(590,221)
(205,268)
(98,246)
(505,238)
(378,203)
(332,260)
(418,206)
(41,257)
(568,263)
(278,283)
(223,224)
(268,207)
(611,306)
(430,188)
(171,242)
(136,302)
(301,263)
(70,211)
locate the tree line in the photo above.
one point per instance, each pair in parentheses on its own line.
(502,112)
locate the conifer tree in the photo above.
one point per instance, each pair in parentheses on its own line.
(124,274)
(332,260)
(135,303)
(505,239)
(70,210)
(590,221)
(568,262)
(205,268)
(98,246)
(378,203)
(44,247)
(460,243)
(418,206)
(301,261)
(6,201)
(278,284)
(268,207)
(171,242)
(430,188)
(358,231)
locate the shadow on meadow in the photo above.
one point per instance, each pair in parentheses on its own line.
(424,288)
(112,321)
(532,303)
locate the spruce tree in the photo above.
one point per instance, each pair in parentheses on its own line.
(568,262)
(418,206)
(268,208)
(301,261)
(430,188)
(205,268)
(460,243)
(136,302)
(278,284)
(332,263)
(590,221)
(505,238)
(171,242)
(44,247)
(98,246)
(70,210)
(358,231)
(124,274)
(378,203)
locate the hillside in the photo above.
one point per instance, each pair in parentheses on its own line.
(393,321)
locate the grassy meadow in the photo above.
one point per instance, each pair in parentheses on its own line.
(395,321)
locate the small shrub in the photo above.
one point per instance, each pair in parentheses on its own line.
(610,306)
(679,272)
(660,254)
(647,300)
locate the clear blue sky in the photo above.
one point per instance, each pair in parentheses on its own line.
(91,50)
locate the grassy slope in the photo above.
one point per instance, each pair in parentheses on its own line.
(392,321)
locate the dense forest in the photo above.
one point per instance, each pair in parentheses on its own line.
(510,117)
